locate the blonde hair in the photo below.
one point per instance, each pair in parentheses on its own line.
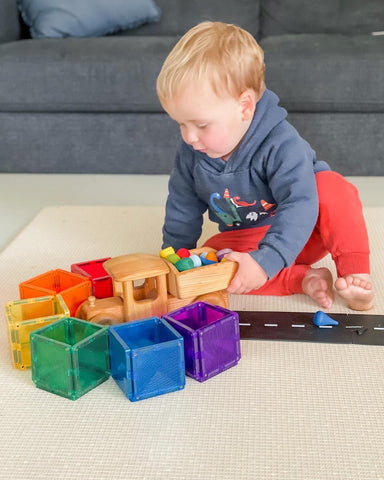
(225,54)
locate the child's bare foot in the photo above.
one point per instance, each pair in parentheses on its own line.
(356,290)
(317,284)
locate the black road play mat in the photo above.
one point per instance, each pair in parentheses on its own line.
(359,328)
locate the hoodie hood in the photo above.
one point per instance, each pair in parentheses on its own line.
(267,116)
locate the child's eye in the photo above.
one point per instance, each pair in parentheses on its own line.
(202,125)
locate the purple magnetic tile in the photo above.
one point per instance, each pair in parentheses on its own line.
(211,338)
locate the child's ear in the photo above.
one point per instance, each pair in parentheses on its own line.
(247,101)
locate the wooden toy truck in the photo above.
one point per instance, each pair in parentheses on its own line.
(146,285)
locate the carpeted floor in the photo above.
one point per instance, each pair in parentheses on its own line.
(288,410)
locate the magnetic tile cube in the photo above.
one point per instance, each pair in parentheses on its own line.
(26,316)
(74,288)
(211,338)
(147,358)
(102,285)
(70,357)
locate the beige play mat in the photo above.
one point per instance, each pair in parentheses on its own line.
(288,410)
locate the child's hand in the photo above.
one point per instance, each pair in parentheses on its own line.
(249,276)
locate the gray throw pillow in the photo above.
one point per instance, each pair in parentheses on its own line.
(85,18)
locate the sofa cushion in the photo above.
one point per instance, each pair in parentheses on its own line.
(109,74)
(88,143)
(279,17)
(326,73)
(178,16)
(352,143)
(82,18)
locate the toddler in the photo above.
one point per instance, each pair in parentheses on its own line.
(277,207)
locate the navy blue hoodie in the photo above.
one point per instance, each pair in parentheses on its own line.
(268,180)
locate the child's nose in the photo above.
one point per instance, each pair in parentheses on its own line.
(190,136)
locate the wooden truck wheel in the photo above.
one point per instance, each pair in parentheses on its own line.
(104,319)
(219,298)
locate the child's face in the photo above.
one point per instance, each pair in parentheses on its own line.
(211,124)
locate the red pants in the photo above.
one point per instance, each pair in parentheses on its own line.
(340,230)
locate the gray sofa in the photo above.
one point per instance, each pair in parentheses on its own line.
(88,105)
